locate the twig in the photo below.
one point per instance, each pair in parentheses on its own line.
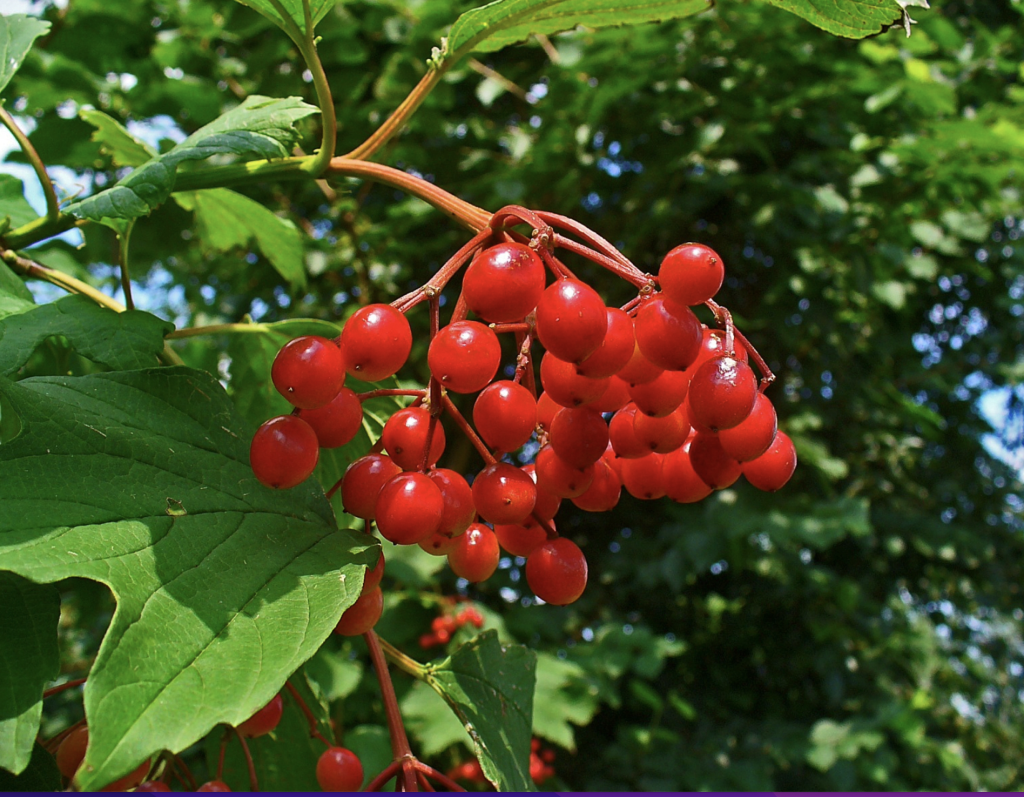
(253,782)
(52,204)
(548,48)
(386,774)
(497,77)
(444,780)
(314,731)
(123,240)
(399,741)
(58,689)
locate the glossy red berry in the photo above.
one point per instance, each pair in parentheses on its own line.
(405,438)
(362,615)
(284,452)
(339,770)
(376,342)
(338,421)
(682,484)
(571,320)
(459,510)
(373,575)
(438,544)
(558,477)
(547,407)
(722,393)
(662,395)
(639,369)
(475,554)
(644,478)
(623,437)
(502,493)
(214,785)
(566,387)
(308,371)
(754,434)
(662,435)
(263,721)
(579,436)
(504,282)
(557,572)
(548,503)
(362,482)
(691,274)
(505,415)
(716,468)
(409,508)
(614,398)
(713,345)
(668,334)
(153,786)
(464,356)
(604,492)
(615,350)
(774,467)
(521,539)
(71,751)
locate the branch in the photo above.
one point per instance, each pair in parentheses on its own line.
(52,205)
(399,117)
(399,741)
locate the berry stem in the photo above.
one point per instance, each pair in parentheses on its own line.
(423,782)
(399,741)
(387,391)
(179,768)
(58,689)
(518,328)
(223,750)
(555,266)
(405,663)
(436,284)
(587,234)
(767,377)
(444,780)
(313,730)
(253,782)
(629,273)
(468,430)
(385,775)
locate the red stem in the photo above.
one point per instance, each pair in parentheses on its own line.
(444,780)
(223,750)
(179,766)
(629,273)
(69,685)
(436,284)
(584,232)
(388,391)
(399,741)
(386,774)
(52,744)
(424,783)
(468,430)
(253,782)
(313,730)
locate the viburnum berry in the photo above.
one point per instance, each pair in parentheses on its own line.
(153,786)
(662,395)
(662,435)
(548,503)
(284,452)
(546,409)
(615,350)
(722,393)
(339,769)
(214,785)
(614,398)
(558,477)
(623,437)
(464,356)
(604,492)
(263,721)
(405,438)
(566,387)
(71,751)
(502,493)
(504,282)
(338,421)
(668,334)
(308,371)
(711,463)
(373,575)
(691,274)
(362,615)
(713,345)
(375,342)
(682,484)
(774,467)
(557,571)
(579,435)
(505,415)
(409,508)
(360,487)
(571,320)
(754,434)
(459,510)
(644,478)
(475,554)
(639,369)
(131,780)
(520,539)
(438,544)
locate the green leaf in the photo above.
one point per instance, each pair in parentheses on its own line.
(490,688)
(293,9)
(41,774)
(428,719)
(123,148)
(141,480)
(226,219)
(15,296)
(372,743)
(261,127)
(852,19)
(13,204)
(29,659)
(17,33)
(557,703)
(506,22)
(120,341)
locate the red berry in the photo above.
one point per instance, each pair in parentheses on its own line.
(662,395)
(505,415)
(579,436)
(623,437)
(566,387)
(362,615)
(691,274)
(774,467)
(409,508)
(438,544)
(502,493)
(571,320)
(614,398)
(753,435)
(373,575)
(361,484)
(504,282)
(464,356)
(214,785)
(405,438)
(338,421)
(682,484)
(376,342)
(604,492)
(476,554)
(716,468)
(557,572)
(71,751)
(662,435)
(713,345)
(153,786)
(263,721)
(556,476)
(548,503)
(131,780)
(546,409)
(722,393)
(668,334)
(308,371)
(644,478)
(639,369)
(339,770)
(284,452)
(615,350)
(459,510)
(520,539)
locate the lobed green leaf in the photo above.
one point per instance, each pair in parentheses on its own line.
(115,140)
(17,33)
(293,18)
(852,19)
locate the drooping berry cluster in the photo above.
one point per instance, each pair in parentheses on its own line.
(541,766)
(643,397)
(443,627)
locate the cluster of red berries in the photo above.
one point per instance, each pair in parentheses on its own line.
(442,628)
(643,397)
(541,769)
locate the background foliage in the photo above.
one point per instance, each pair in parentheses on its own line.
(862,629)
